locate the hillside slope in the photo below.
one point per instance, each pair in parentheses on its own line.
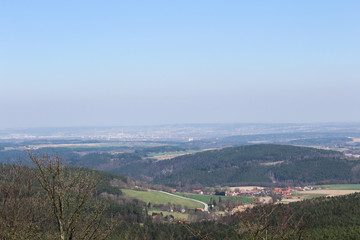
(263,163)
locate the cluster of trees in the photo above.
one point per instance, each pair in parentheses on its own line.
(323,218)
(166,207)
(257,164)
(261,164)
(105,161)
(159,149)
(52,201)
(264,163)
(230,166)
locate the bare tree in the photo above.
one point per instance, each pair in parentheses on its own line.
(22,211)
(70,191)
(269,221)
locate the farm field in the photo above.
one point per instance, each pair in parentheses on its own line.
(299,196)
(169,155)
(340,187)
(161,198)
(324,191)
(206,198)
(332,193)
(245,188)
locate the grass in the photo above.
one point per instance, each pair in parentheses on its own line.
(206,198)
(161,198)
(176,215)
(340,187)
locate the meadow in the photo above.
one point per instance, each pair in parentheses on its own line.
(340,187)
(161,198)
(206,198)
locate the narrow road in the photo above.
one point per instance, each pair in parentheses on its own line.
(206,207)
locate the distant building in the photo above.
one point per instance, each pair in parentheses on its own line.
(198,192)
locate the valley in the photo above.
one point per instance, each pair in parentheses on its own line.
(210,180)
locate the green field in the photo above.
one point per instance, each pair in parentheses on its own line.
(206,198)
(340,187)
(161,198)
(176,215)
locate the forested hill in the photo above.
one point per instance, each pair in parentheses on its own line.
(263,163)
(320,218)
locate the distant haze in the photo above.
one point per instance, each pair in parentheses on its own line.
(186,132)
(116,63)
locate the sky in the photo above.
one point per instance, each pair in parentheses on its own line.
(115,63)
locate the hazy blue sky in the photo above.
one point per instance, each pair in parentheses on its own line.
(86,63)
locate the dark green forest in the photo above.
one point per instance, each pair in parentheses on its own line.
(261,164)
(26,213)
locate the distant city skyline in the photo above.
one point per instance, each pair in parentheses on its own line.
(115,63)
